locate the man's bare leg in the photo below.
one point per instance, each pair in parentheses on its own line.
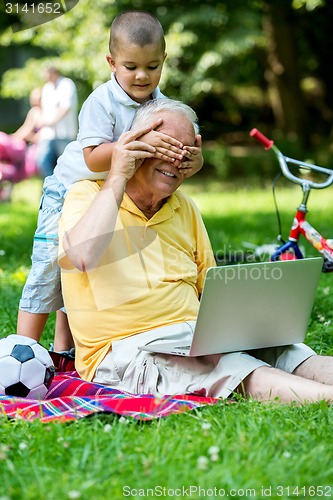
(269,384)
(318,368)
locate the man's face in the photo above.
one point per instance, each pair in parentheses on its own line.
(137,69)
(161,177)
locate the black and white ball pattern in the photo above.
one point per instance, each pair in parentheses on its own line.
(26,368)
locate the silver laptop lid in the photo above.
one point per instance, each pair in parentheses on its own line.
(250,306)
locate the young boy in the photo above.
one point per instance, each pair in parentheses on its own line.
(137,54)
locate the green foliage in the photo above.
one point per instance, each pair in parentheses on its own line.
(76,42)
(218,57)
(196,49)
(308,4)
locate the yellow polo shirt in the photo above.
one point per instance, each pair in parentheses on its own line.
(150,275)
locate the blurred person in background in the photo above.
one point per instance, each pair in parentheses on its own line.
(18,151)
(60,121)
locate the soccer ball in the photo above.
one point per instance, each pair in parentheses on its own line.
(26,368)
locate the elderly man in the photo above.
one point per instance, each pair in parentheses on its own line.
(135,252)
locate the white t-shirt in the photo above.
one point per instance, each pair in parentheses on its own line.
(59,95)
(105,115)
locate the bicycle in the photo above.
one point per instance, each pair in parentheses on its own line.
(300,226)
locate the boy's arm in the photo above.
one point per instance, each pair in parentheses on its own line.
(98,158)
(96,131)
(85,243)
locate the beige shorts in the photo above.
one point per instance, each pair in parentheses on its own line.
(217,375)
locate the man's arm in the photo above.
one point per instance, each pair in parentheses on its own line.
(27,130)
(86,242)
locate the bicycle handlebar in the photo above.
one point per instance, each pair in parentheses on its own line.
(268,143)
(284,161)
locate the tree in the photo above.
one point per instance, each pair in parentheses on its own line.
(221,60)
(204,39)
(283,72)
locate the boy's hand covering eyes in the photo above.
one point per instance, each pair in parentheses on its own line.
(193,159)
(167,148)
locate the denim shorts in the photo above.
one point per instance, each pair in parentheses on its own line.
(42,290)
(127,368)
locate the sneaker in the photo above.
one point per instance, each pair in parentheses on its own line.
(68,354)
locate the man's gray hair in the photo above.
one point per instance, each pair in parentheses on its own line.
(145,112)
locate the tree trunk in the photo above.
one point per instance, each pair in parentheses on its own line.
(282,74)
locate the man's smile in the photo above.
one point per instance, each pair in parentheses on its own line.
(165,172)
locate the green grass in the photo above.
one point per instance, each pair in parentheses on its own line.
(272,447)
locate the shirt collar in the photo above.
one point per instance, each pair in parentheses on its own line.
(165,212)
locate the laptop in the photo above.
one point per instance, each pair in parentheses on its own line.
(249,306)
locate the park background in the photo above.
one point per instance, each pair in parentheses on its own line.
(240,64)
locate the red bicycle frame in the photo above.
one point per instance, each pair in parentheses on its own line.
(290,249)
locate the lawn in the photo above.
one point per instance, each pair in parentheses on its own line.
(245,449)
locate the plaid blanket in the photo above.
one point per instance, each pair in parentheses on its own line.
(70,398)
